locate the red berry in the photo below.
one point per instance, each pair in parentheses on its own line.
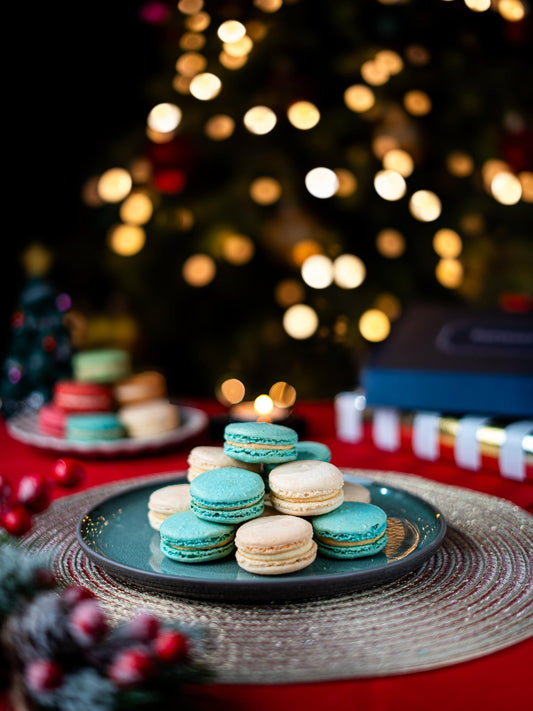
(43,674)
(171,646)
(33,492)
(87,622)
(16,520)
(143,627)
(68,472)
(130,667)
(74,594)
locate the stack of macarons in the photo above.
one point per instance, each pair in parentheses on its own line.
(104,400)
(274,501)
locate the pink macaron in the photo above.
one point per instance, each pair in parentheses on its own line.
(52,420)
(74,396)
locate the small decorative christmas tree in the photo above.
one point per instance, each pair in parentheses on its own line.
(40,348)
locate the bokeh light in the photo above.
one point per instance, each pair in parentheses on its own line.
(512,10)
(219,127)
(526,181)
(478,5)
(303,115)
(349,271)
(400,161)
(230,391)
(425,206)
(300,321)
(282,394)
(506,188)
(199,270)
(374,73)
(347,182)
(205,86)
(237,249)
(322,182)
(231,31)
(359,98)
(374,325)
(126,240)
(260,120)
(238,49)
(391,61)
(289,292)
(449,273)
(317,271)
(191,63)
(460,164)
(265,190)
(390,243)
(417,102)
(390,185)
(114,185)
(136,209)
(447,243)
(164,118)
(263,404)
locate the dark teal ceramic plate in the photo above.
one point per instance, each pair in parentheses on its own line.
(116,535)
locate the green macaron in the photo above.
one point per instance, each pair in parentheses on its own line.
(353,530)
(227,495)
(189,539)
(261,442)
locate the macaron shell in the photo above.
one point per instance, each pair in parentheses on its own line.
(305,479)
(309,449)
(356,492)
(94,426)
(275,545)
(166,501)
(260,442)
(196,540)
(227,494)
(150,418)
(364,525)
(309,508)
(101,365)
(203,458)
(140,387)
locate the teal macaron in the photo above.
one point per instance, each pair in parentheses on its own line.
(227,495)
(261,442)
(188,539)
(313,450)
(353,530)
(94,426)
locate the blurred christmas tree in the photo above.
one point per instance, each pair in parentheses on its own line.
(40,347)
(307,169)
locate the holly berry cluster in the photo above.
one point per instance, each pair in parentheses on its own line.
(67,648)
(33,494)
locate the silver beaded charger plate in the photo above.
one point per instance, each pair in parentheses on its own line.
(116,535)
(471,597)
(24,427)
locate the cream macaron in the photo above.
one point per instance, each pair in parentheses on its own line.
(275,545)
(166,501)
(306,487)
(203,458)
(356,492)
(147,419)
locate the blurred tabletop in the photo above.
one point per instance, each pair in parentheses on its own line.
(489,682)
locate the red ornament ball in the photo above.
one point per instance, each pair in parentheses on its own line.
(43,674)
(17,520)
(34,493)
(171,647)
(130,667)
(68,473)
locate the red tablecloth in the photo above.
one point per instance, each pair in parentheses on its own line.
(491,682)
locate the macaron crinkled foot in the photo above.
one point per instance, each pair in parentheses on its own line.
(227,495)
(307,487)
(260,442)
(186,538)
(203,458)
(167,500)
(275,545)
(353,530)
(356,492)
